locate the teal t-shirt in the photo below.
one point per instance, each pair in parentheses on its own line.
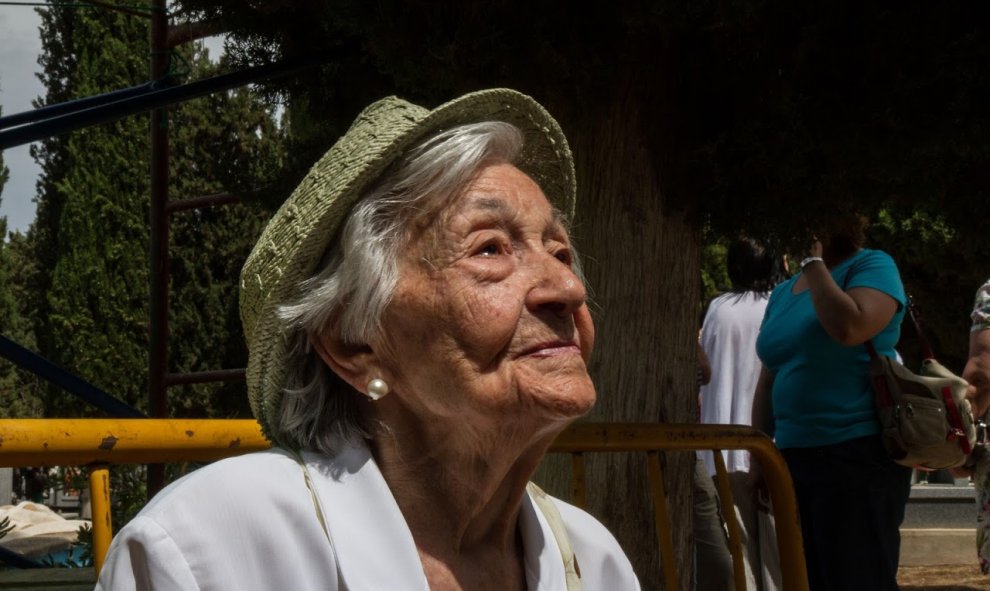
(821,390)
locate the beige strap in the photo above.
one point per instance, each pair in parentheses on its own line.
(319,511)
(572,573)
(312,493)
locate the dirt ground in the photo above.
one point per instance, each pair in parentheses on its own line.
(943,578)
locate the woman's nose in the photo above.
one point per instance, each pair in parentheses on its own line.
(556,287)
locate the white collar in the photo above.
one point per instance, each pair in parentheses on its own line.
(373,545)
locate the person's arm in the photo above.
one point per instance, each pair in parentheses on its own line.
(850,317)
(762,413)
(977,371)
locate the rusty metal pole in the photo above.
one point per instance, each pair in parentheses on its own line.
(158,308)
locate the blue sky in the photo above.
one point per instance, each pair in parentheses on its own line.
(19,48)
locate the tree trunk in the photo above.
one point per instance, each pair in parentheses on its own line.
(642,263)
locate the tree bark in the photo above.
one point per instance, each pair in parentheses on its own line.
(642,263)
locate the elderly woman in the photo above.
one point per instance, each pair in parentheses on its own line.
(418,336)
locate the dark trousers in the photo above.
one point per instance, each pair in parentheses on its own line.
(851,499)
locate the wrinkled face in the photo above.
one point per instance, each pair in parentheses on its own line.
(488,320)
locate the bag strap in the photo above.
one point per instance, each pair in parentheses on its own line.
(912,310)
(924,345)
(572,572)
(885,394)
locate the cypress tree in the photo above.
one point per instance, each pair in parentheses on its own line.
(91,235)
(19,390)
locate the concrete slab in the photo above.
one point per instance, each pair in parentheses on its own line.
(940,507)
(930,546)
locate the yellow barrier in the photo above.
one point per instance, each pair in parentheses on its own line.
(80,442)
(98,443)
(650,438)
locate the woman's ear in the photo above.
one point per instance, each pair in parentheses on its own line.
(355,364)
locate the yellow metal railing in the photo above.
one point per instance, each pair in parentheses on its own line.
(649,438)
(99,443)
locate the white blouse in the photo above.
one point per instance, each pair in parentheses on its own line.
(250,522)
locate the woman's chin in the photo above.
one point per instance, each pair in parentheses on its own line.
(567,402)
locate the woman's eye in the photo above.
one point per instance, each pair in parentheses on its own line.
(490,249)
(565,257)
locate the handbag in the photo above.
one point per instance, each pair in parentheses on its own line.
(925,419)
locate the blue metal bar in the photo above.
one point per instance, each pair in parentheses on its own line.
(151,99)
(41,367)
(49,111)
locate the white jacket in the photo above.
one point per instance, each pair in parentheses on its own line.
(250,522)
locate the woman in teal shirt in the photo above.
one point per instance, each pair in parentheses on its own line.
(814,397)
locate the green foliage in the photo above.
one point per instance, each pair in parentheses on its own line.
(714,275)
(81,559)
(4,172)
(129,488)
(19,390)
(84,540)
(85,557)
(941,266)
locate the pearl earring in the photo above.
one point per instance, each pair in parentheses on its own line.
(377,388)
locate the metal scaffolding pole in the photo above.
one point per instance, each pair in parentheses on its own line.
(158,308)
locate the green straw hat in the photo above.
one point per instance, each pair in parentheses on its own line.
(296,238)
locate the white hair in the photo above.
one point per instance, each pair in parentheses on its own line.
(359,273)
